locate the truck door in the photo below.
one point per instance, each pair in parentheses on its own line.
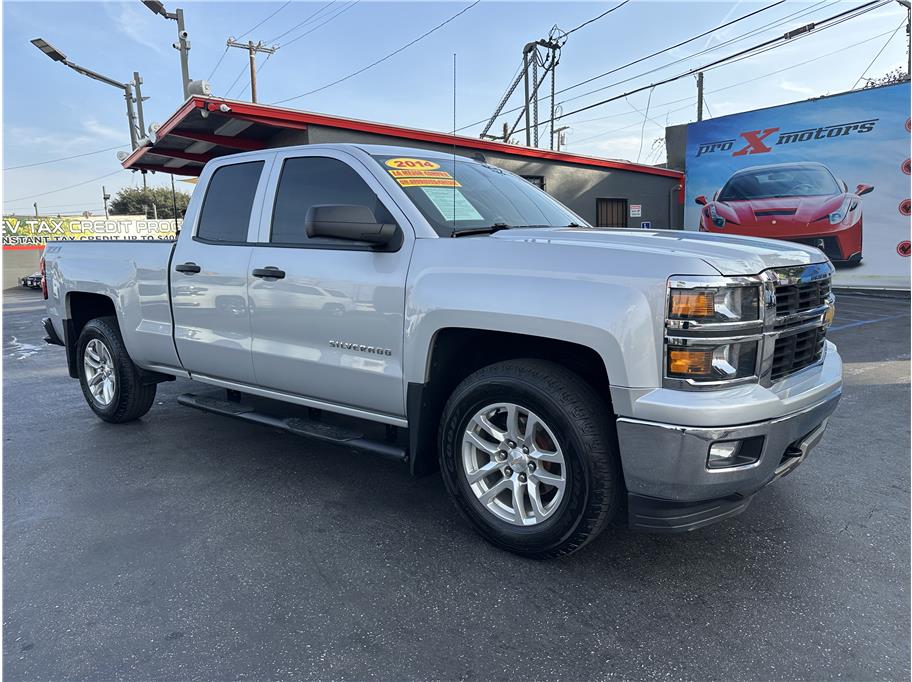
(209,273)
(331,327)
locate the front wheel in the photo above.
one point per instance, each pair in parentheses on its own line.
(528,452)
(110,382)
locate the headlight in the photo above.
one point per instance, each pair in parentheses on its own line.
(717,220)
(722,304)
(723,362)
(713,329)
(839,215)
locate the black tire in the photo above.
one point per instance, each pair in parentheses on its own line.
(583,425)
(132,399)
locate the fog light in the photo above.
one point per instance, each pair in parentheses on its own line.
(723,454)
(734,453)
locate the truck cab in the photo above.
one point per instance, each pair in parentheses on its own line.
(557,375)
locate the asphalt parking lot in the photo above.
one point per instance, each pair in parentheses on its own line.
(191,546)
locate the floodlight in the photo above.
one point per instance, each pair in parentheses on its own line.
(49,49)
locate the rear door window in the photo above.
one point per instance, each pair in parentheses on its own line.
(225,216)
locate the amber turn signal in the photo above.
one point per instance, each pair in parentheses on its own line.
(689,362)
(688,304)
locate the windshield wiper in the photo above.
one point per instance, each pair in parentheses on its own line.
(487,229)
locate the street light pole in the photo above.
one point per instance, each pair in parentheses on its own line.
(127,88)
(182,45)
(137,82)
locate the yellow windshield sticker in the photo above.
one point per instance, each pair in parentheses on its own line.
(417,164)
(427,182)
(408,173)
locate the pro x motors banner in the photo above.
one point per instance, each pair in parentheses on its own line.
(832,173)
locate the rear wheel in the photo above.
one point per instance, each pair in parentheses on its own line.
(110,382)
(528,452)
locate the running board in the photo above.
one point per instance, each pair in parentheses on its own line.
(326,433)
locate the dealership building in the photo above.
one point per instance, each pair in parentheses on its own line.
(605,192)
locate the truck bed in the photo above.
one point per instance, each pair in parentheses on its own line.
(133,275)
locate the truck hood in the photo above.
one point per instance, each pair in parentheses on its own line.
(729,254)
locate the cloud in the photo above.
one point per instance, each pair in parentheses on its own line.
(791,86)
(100,130)
(131,21)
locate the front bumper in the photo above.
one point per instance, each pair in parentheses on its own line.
(670,487)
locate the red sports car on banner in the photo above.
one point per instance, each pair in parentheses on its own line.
(798,202)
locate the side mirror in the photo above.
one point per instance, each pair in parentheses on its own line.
(701,200)
(861,190)
(352,223)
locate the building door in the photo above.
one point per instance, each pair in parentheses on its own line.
(611,213)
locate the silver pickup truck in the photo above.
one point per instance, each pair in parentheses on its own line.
(448,314)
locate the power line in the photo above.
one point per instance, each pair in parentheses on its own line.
(65,158)
(737,84)
(61,189)
(251,30)
(217,64)
(743,54)
(236,79)
(658,52)
(586,23)
(343,10)
(304,22)
(382,59)
(645,118)
(879,52)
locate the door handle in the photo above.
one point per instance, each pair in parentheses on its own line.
(187,268)
(269,272)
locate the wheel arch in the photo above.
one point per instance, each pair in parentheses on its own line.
(82,307)
(456,352)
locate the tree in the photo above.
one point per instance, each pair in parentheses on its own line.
(137,201)
(897,75)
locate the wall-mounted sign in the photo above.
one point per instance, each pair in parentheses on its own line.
(646,224)
(636,210)
(23,232)
(831,173)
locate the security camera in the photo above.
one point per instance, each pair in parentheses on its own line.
(182,35)
(153,127)
(122,156)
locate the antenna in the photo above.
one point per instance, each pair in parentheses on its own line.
(454,142)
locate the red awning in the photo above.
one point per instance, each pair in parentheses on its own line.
(207,127)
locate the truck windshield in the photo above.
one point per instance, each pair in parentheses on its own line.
(785,181)
(467,196)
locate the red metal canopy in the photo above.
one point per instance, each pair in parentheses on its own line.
(207,127)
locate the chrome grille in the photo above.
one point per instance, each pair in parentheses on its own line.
(792,299)
(797,351)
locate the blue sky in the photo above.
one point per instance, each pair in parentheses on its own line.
(50,111)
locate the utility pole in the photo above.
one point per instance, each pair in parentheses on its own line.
(908,6)
(252,48)
(174,204)
(559,132)
(104,197)
(182,45)
(700,96)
